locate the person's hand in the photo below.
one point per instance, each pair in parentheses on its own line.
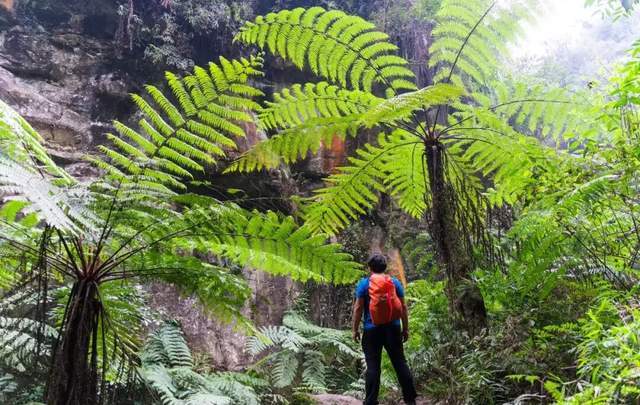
(405,335)
(356,335)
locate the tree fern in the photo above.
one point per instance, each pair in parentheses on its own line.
(174,240)
(342,48)
(455,147)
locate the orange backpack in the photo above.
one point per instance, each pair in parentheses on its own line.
(384,304)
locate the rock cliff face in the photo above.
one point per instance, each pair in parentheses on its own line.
(68,68)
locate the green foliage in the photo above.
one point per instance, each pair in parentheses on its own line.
(308,117)
(188,241)
(303,355)
(419,260)
(20,336)
(35,196)
(353,190)
(26,346)
(483,136)
(342,48)
(614,8)
(167,367)
(606,355)
(268,242)
(401,108)
(31,184)
(179,138)
(20,143)
(470,37)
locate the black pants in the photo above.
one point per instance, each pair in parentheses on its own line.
(389,337)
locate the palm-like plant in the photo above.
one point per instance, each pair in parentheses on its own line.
(438,146)
(132,226)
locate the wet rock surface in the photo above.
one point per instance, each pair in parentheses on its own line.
(58,82)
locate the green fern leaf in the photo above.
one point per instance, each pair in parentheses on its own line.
(341,48)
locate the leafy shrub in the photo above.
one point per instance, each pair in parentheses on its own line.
(608,355)
(168,368)
(302,356)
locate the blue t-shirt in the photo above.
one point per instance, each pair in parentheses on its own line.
(362,291)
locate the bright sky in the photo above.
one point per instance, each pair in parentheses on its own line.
(561,21)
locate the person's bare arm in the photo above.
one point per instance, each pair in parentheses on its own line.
(405,321)
(358,308)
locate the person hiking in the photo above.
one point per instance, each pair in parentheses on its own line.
(380,303)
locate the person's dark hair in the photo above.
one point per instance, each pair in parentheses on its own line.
(377,263)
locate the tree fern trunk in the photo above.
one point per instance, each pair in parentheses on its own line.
(453,254)
(74,378)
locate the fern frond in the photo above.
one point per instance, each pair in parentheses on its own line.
(285,369)
(273,336)
(167,347)
(341,48)
(53,205)
(237,386)
(492,147)
(470,36)
(400,108)
(176,382)
(546,113)
(22,144)
(314,371)
(19,340)
(296,143)
(354,189)
(406,178)
(313,354)
(276,245)
(296,105)
(220,292)
(186,130)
